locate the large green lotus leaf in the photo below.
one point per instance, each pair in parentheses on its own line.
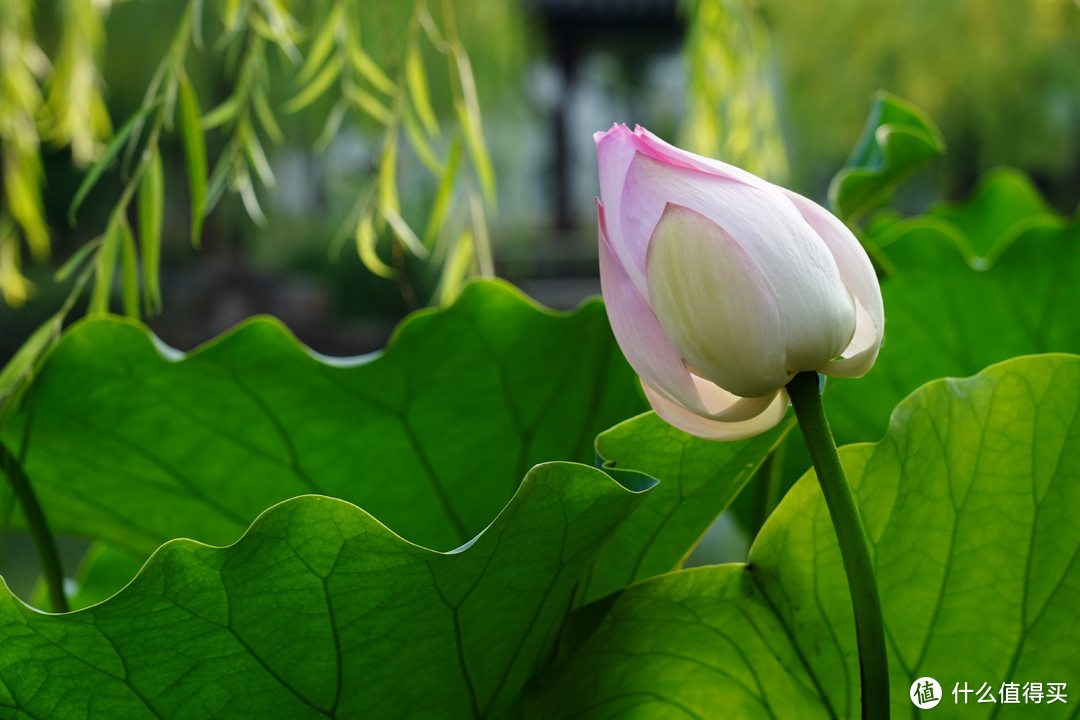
(897,139)
(972,506)
(698,480)
(1004,204)
(130,443)
(951,311)
(320,611)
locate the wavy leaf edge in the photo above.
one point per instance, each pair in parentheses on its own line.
(643,486)
(403,328)
(953,236)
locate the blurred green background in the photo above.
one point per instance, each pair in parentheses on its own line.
(781,88)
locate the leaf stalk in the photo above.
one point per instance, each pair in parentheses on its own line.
(39,528)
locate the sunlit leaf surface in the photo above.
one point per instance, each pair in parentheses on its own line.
(972,507)
(698,479)
(131,446)
(320,611)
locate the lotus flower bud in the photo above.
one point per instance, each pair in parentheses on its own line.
(721,286)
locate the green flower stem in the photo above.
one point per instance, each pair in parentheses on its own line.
(869,628)
(39,529)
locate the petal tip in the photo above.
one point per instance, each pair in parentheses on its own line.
(616,129)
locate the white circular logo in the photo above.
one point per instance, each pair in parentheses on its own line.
(925,693)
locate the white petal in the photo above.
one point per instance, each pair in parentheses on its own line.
(650,354)
(629,231)
(721,405)
(715,305)
(639,333)
(861,353)
(857,274)
(702,427)
(817,313)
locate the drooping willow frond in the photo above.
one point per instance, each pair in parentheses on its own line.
(732,111)
(22,67)
(389,85)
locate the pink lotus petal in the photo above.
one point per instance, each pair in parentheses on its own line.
(716,307)
(648,351)
(703,427)
(857,274)
(615,150)
(719,285)
(819,316)
(655,147)
(721,405)
(638,332)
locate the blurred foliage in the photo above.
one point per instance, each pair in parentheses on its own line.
(1000,76)
(968,285)
(731,111)
(230,80)
(60,102)
(407,80)
(898,139)
(75,112)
